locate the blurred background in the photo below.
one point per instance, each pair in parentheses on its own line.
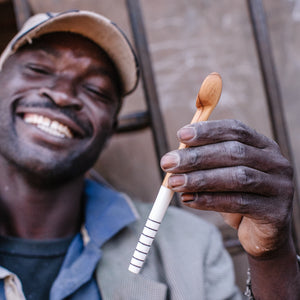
(187,40)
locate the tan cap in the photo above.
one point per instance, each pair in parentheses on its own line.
(93,26)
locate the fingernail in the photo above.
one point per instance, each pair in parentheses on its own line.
(177,181)
(186,133)
(187,198)
(169,161)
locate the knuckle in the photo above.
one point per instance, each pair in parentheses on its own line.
(282,166)
(283,215)
(208,201)
(290,172)
(290,189)
(241,130)
(274,145)
(239,126)
(196,181)
(236,150)
(234,123)
(271,145)
(192,157)
(242,177)
(287,168)
(242,203)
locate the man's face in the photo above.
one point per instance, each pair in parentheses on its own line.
(58,104)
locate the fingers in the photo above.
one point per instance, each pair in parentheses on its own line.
(231,179)
(211,132)
(224,154)
(240,189)
(241,204)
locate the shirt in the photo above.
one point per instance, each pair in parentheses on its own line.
(106,213)
(35,262)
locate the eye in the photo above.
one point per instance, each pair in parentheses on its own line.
(38,69)
(97,92)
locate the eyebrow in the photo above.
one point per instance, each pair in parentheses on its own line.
(46,52)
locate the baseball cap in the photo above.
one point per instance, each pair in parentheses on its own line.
(102,31)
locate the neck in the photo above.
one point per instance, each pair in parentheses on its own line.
(39,211)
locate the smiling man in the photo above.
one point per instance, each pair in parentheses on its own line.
(61,93)
(62,81)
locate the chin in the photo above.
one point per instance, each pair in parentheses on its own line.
(44,176)
(43,166)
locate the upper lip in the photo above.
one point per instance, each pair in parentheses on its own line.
(54,115)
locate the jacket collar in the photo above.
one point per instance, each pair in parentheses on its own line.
(106,212)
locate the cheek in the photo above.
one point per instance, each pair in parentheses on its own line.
(7,87)
(13,89)
(104,118)
(104,126)
(103,129)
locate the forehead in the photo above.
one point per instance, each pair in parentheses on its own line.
(58,42)
(66,39)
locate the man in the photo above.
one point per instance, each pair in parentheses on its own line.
(62,237)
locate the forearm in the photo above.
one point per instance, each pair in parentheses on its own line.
(276,277)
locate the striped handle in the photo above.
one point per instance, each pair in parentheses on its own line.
(150,229)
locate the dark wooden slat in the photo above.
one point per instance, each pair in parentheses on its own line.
(150,91)
(22,11)
(268,71)
(273,93)
(133,122)
(7,23)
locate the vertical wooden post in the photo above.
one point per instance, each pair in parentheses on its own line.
(273,93)
(150,91)
(22,12)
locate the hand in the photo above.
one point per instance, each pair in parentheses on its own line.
(230,168)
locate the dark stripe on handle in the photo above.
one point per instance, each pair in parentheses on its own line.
(135,266)
(148,236)
(154,221)
(145,244)
(141,251)
(151,228)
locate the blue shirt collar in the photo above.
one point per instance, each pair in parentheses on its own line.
(106,212)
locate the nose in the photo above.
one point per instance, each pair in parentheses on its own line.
(61,98)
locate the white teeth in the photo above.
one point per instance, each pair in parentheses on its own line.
(52,127)
(50,130)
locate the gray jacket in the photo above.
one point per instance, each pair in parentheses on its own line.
(187,261)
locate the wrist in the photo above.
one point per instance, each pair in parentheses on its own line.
(248,291)
(277,275)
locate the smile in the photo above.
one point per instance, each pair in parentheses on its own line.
(49,126)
